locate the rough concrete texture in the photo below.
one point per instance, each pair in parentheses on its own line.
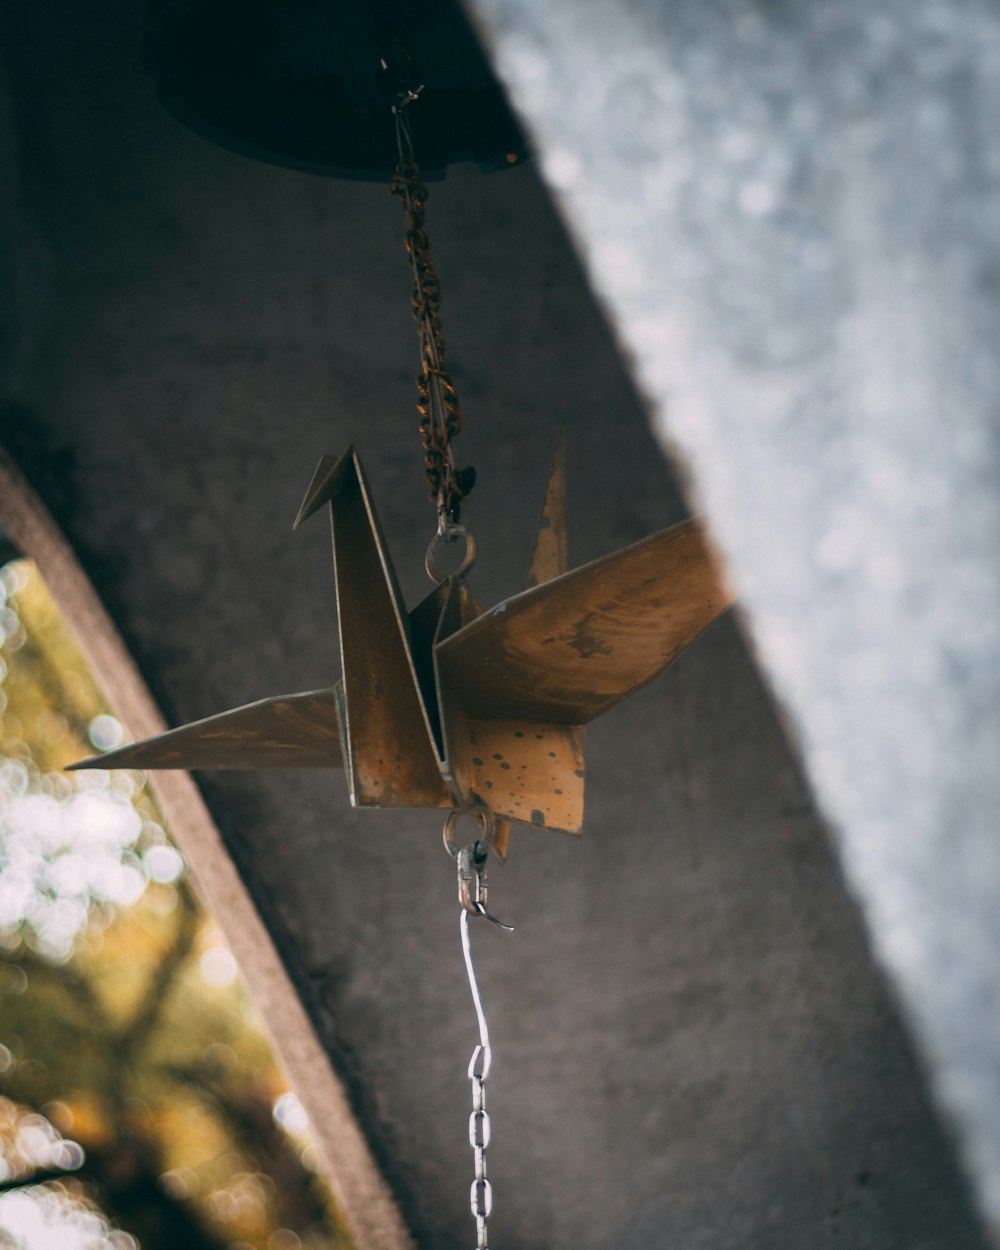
(791,210)
(693,1045)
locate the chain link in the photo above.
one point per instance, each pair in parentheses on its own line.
(481,1191)
(437,401)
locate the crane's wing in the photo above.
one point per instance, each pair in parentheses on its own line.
(389,741)
(289,731)
(550,554)
(567,650)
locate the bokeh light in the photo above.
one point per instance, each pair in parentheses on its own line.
(50,1218)
(106,732)
(218,967)
(62,857)
(290,1114)
(127,1042)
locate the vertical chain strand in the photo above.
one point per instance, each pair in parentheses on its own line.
(440,414)
(481,1191)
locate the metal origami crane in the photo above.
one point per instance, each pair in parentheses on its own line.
(450,706)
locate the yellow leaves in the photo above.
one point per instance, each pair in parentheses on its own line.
(128,1031)
(51,697)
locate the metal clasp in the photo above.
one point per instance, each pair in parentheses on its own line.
(471,860)
(472,889)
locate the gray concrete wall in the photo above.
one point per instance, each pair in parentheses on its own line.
(693,1046)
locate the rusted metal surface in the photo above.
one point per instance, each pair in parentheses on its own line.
(501,839)
(288,731)
(456,763)
(568,650)
(548,782)
(450,707)
(388,738)
(529,772)
(525,772)
(550,555)
(424,620)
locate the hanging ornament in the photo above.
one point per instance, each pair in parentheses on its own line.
(447,705)
(480,713)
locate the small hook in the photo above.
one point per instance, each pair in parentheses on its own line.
(481,910)
(471,860)
(472,892)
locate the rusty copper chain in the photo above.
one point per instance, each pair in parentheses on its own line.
(440,413)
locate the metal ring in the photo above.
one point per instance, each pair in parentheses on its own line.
(447,537)
(478,811)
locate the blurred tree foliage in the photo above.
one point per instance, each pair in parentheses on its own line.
(133,1081)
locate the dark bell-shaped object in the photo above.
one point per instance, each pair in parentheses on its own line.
(310,84)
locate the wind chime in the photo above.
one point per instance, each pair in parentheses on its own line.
(478,713)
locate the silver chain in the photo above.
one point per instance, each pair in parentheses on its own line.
(481,1192)
(471,863)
